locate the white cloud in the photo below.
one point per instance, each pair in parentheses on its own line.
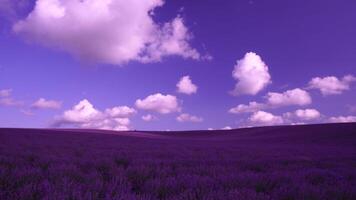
(227,128)
(331,85)
(160,103)
(148,117)
(46,104)
(120,111)
(290,97)
(250,108)
(297,123)
(123,121)
(296,96)
(106,31)
(5,92)
(83,112)
(301,116)
(342,119)
(307,114)
(85,115)
(262,118)
(185,117)
(251,74)
(172,39)
(186,86)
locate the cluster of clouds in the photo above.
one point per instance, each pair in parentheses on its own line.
(118,31)
(7,100)
(85,115)
(112,32)
(297,96)
(108,31)
(343,119)
(263,118)
(253,76)
(331,85)
(167,103)
(307,114)
(163,104)
(299,116)
(185,117)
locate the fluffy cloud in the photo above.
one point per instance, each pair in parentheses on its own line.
(172,39)
(185,117)
(226,128)
(342,119)
(120,111)
(148,117)
(297,123)
(106,31)
(262,118)
(46,104)
(290,97)
(83,112)
(186,86)
(331,85)
(251,74)
(85,115)
(250,108)
(296,96)
(160,103)
(307,114)
(300,116)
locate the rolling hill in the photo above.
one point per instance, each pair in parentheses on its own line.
(282,162)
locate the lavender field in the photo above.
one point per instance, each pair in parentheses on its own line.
(286,162)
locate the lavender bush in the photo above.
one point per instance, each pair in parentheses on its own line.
(286,163)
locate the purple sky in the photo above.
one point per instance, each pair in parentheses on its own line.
(154,65)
